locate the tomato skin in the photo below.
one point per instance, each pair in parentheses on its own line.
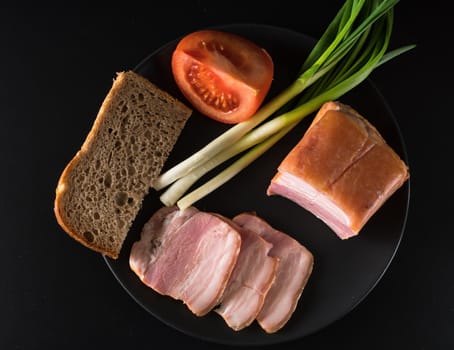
(224,76)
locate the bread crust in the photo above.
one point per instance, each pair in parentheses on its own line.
(90,144)
(57,207)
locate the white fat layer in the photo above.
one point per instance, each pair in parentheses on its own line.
(316,202)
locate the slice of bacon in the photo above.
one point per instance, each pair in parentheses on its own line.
(187,255)
(342,170)
(250,282)
(160,227)
(294,269)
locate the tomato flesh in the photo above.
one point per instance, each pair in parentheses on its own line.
(224,76)
(209,88)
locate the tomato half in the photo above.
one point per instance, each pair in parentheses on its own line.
(224,76)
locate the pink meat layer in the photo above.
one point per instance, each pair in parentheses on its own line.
(190,257)
(294,269)
(250,282)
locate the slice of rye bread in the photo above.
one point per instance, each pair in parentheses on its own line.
(101,190)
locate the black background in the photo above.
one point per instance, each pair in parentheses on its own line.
(58,63)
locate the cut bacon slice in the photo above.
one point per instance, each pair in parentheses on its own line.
(188,256)
(294,269)
(342,170)
(158,228)
(250,282)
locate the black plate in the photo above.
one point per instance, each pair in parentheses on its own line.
(344,271)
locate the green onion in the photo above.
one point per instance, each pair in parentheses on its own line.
(353,45)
